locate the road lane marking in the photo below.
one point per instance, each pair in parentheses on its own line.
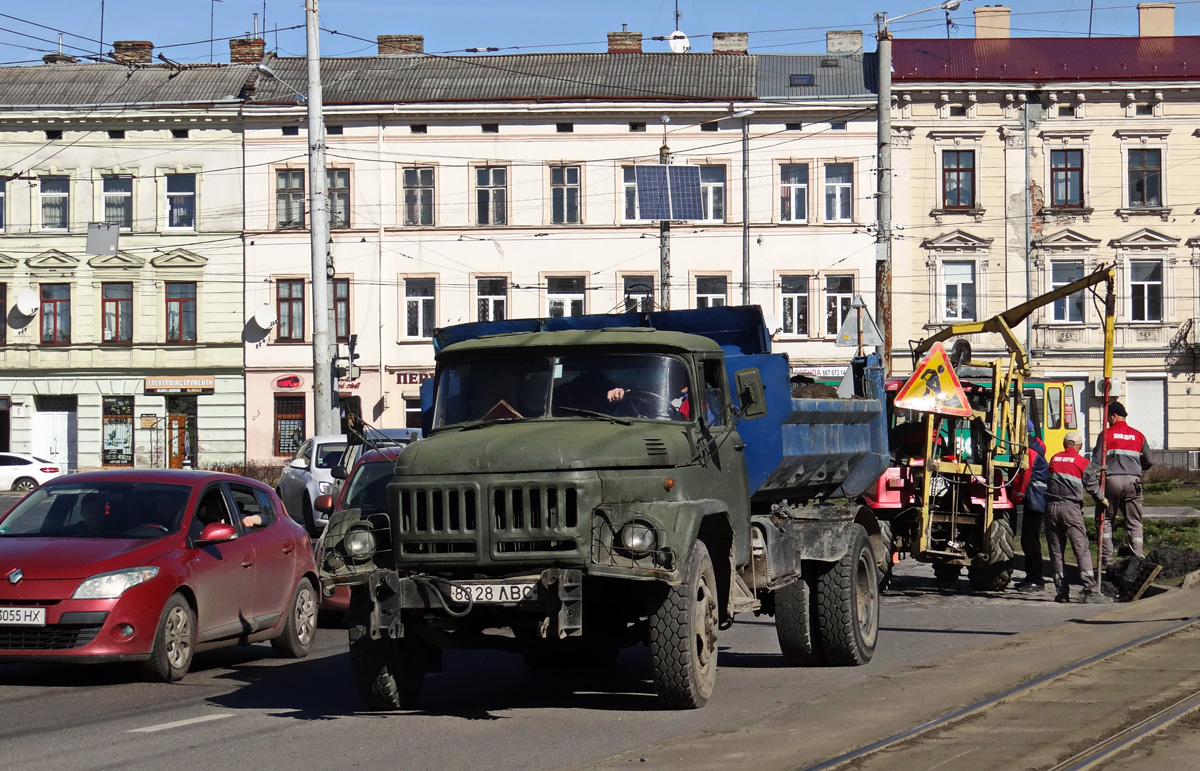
(178,723)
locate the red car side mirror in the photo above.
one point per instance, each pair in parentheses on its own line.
(323,503)
(217,532)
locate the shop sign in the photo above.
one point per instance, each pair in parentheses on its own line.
(288,382)
(349,385)
(821,373)
(196,384)
(149,421)
(412,377)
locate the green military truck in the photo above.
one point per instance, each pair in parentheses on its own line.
(595,482)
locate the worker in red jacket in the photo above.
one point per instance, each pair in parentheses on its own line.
(1070,477)
(1126,457)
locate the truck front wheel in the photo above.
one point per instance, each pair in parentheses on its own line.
(847,604)
(387,673)
(683,636)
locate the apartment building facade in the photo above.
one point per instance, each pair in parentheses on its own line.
(480,188)
(1027,163)
(132,356)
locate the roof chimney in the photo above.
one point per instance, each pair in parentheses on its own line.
(731,42)
(625,42)
(247,51)
(844,41)
(59,57)
(992,21)
(400,44)
(132,51)
(1156,19)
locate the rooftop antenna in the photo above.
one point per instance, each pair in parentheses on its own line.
(678,41)
(101,52)
(212,21)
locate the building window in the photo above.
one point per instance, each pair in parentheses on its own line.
(794,296)
(837,125)
(564,128)
(341,309)
(290,304)
(490,128)
(839,294)
(56,313)
(1145,178)
(710,126)
(118,312)
(118,201)
(564,195)
(290,131)
(338,181)
(1066,178)
(711,291)
(3,201)
(418,196)
(419,128)
(637,125)
(181,312)
(181,201)
(712,192)
(959,280)
(491,195)
(958,111)
(3,313)
(565,296)
(793,192)
(419,307)
(639,294)
(491,296)
(1146,290)
(289,199)
(958,179)
(117,449)
(839,192)
(412,412)
(116,133)
(1063,272)
(289,424)
(180,133)
(55,193)
(629,190)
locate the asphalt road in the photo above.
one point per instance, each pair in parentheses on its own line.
(244,707)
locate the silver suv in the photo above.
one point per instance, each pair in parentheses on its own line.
(308,474)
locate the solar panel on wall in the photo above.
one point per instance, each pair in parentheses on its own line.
(654,202)
(668,192)
(685,192)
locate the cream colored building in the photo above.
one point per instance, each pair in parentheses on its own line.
(132,358)
(476,188)
(1104,131)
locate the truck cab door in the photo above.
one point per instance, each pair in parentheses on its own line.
(719,440)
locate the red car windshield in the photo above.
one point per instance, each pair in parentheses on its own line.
(367,489)
(98,510)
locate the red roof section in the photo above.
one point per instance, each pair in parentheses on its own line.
(1044,59)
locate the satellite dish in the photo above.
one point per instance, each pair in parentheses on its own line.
(679,43)
(265,316)
(27,302)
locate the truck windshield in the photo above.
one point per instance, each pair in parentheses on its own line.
(650,386)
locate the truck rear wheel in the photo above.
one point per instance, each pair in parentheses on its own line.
(847,604)
(387,673)
(994,575)
(794,625)
(683,636)
(885,555)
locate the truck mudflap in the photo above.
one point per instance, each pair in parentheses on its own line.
(556,593)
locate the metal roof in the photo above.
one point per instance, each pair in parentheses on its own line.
(87,85)
(1045,59)
(834,75)
(517,77)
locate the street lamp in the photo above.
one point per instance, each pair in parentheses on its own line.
(883,234)
(270,73)
(745,116)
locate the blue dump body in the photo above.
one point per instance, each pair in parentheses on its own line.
(802,448)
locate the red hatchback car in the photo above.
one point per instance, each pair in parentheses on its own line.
(152,566)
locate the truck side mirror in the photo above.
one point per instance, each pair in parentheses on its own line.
(752,400)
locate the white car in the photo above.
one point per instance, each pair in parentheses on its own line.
(309,474)
(22,473)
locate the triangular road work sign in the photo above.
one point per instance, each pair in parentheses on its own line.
(934,387)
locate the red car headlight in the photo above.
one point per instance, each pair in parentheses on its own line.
(109,586)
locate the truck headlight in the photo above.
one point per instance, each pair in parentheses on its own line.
(109,586)
(359,543)
(638,536)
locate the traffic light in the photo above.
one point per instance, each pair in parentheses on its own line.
(343,366)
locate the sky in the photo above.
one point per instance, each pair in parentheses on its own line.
(180,29)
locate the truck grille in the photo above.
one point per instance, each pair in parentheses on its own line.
(511,522)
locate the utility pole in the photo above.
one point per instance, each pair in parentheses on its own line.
(664,236)
(324,398)
(746,206)
(883,227)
